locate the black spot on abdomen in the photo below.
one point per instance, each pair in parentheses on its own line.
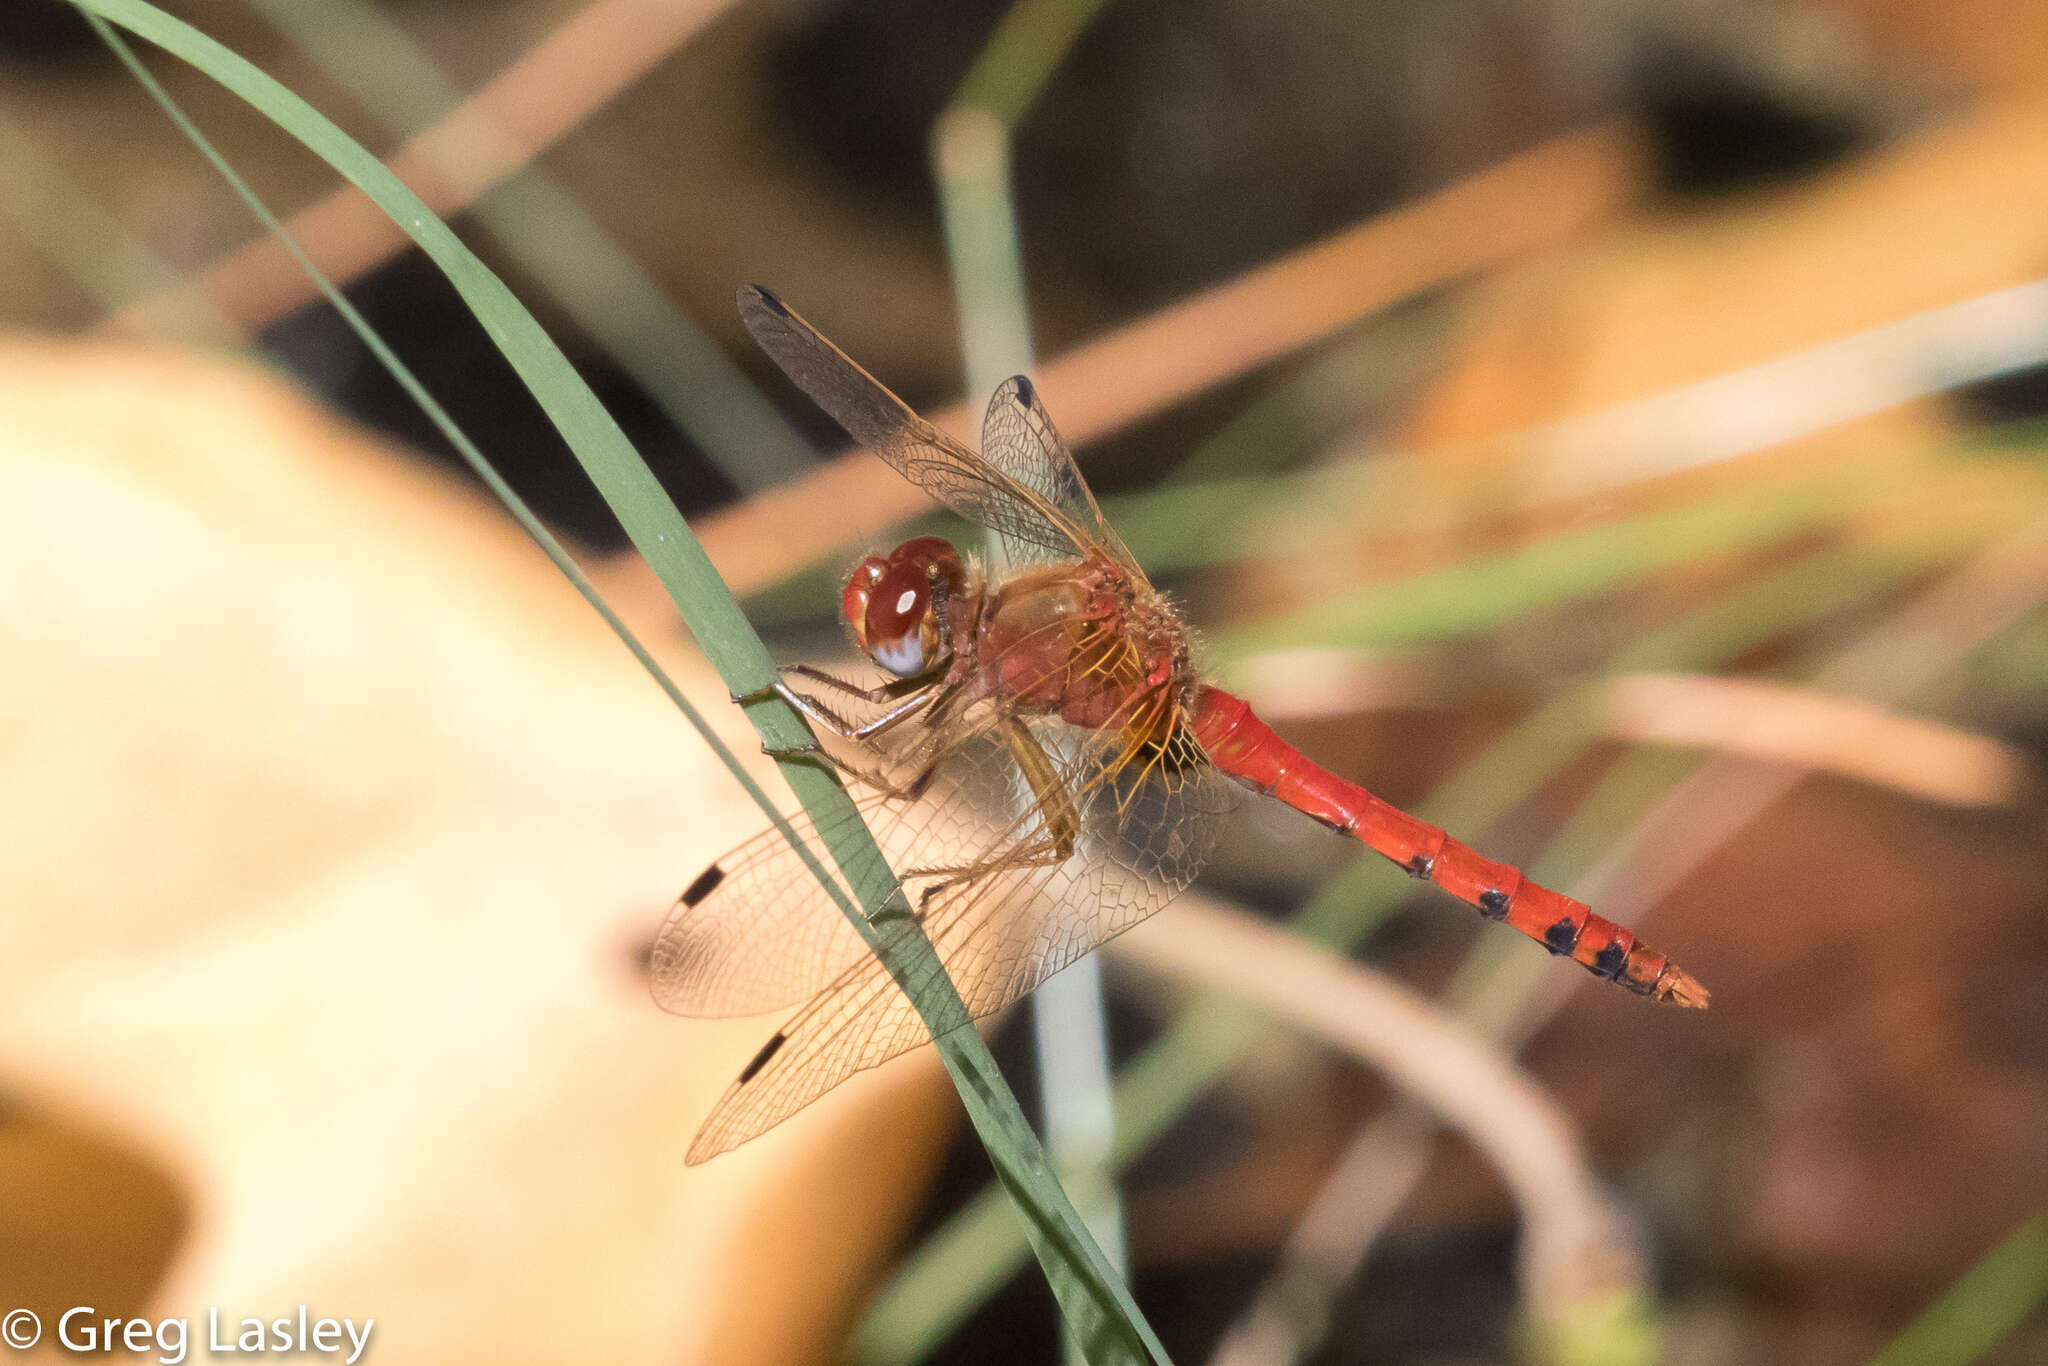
(1563,936)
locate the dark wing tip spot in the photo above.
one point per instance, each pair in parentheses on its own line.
(768,1050)
(1610,961)
(1494,904)
(706,883)
(640,955)
(767,296)
(1562,936)
(1026,395)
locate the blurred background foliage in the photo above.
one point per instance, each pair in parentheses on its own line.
(1613,430)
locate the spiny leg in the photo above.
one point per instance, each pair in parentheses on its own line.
(1050,798)
(894,688)
(1047,851)
(907,790)
(927,696)
(886,692)
(931,700)
(891,691)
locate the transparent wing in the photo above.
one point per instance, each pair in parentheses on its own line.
(755,932)
(1019,439)
(917,450)
(1148,820)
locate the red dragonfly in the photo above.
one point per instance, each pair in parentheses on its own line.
(1042,770)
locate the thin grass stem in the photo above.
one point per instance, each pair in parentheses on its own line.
(970,154)
(1099,1311)
(560,244)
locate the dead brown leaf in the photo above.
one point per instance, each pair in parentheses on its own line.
(333,820)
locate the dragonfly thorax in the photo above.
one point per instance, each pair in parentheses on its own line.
(1082,641)
(899,605)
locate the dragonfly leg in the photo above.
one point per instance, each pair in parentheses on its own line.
(825,718)
(1061,830)
(887,692)
(1048,789)
(907,790)
(1047,852)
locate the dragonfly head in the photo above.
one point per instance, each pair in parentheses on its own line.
(897,605)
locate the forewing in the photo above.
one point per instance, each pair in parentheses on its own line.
(1018,438)
(1147,828)
(886,425)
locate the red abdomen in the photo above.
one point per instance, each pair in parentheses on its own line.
(1245,747)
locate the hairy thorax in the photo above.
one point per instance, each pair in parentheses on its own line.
(1081,641)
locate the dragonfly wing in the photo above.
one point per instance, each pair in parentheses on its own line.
(756,932)
(1002,928)
(862,1020)
(1018,437)
(1154,813)
(886,425)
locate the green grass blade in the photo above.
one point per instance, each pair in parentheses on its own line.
(1099,1310)
(555,241)
(445,424)
(1483,593)
(1990,1300)
(970,159)
(1021,54)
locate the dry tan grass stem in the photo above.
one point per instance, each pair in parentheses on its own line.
(529,107)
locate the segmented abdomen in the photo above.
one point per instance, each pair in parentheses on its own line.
(1245,747)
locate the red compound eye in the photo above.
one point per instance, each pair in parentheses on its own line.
(853,603)
(894,604)
(902,595)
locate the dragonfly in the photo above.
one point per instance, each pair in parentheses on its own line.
(1041,766)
